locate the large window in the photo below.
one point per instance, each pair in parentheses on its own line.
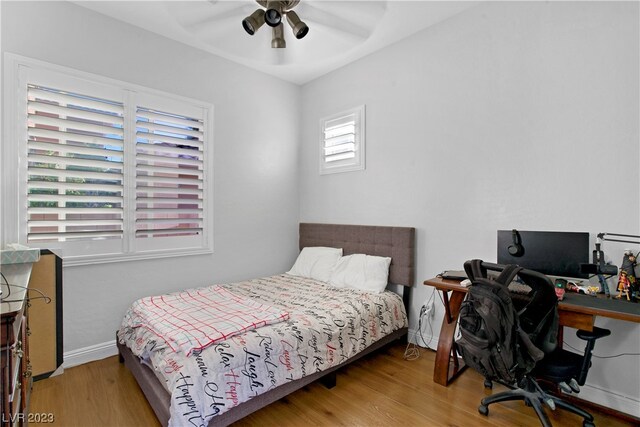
(104,170)
(342,141)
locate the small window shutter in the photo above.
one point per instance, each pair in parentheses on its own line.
(340,138)
(342,142)
(74,166)
(169,174)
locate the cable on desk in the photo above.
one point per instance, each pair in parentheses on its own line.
(46,299)
(6,283)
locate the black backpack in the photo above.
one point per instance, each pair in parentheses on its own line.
(501,339)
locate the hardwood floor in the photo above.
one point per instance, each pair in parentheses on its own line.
(381,389)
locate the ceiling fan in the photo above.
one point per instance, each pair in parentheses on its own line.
(273,13)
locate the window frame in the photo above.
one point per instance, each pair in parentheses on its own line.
(13,160)
(350,165)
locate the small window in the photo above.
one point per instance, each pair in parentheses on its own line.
(342,142)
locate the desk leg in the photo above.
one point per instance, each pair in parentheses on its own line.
(444,372)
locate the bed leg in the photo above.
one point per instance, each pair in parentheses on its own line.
(404,340)
(120,357)
(329,380)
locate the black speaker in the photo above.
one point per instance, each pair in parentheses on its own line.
(516,248)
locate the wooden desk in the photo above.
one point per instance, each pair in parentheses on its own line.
(576,311)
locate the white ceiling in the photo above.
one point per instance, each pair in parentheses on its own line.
(340,31)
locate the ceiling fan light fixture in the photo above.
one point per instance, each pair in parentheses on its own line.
(299,28)
(253,22)
(277,38)
(273,14)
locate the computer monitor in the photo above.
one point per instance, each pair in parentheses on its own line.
(555,253)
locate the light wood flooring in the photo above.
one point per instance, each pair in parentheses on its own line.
(379,390)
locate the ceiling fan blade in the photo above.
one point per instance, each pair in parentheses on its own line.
(366,12)
(311,14)
(204,13)
(237,14)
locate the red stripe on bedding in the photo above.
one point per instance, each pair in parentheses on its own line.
(189,322)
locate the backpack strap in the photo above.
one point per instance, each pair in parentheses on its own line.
(506,276)
(474,269)
(535,353)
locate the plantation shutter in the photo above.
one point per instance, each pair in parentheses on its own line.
(340,138)
(169,174)
(74,166)
(342,142)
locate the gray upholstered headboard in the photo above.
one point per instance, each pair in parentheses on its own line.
(395,242)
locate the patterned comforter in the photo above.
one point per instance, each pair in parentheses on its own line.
(194,319)
(327,326)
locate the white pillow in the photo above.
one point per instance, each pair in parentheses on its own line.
(316,262)
(363,272)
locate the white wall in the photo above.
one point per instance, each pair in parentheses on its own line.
(511,115)
(255,164)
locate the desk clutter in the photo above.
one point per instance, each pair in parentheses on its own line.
(627,287)
(566,255)
(627,280)
(578,286)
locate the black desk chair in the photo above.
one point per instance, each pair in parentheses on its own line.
(561,368)
(569,370)
(536,311)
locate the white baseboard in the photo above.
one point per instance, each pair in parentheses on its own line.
(89,354)
(429,341)
(610,399)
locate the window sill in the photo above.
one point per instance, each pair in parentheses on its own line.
(75,261)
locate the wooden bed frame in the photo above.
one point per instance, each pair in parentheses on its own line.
(395,242)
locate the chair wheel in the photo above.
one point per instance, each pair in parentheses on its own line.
(586,423)
(488,384)
(483,409)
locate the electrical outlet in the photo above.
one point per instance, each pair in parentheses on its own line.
(428,310)
(431,312)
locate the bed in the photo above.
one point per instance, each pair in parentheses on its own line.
(398,243)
